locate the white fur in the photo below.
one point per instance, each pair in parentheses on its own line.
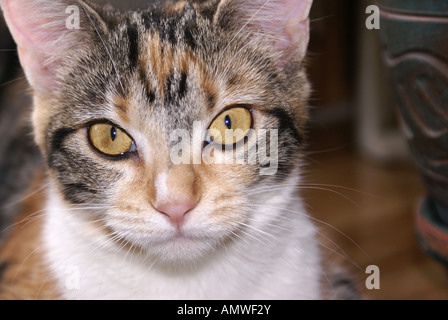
(272,262)
(162,192)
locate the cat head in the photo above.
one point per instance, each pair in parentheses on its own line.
(131,111)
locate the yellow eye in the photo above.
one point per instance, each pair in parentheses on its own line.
(231,126)
(110,140)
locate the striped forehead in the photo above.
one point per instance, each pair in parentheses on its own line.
(161,44)
(163,60)
(165,67)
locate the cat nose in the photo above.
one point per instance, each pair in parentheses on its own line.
(176,211)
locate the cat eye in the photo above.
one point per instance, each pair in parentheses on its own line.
(231,126)
(110,140)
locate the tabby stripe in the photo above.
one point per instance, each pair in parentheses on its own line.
(133,45)
(169,94)
(183,85)
(286,152)
(171,34)
(189,37)
(56,143)
(76,192)
(146,83)
(286,123)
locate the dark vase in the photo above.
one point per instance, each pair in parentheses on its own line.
(415,38)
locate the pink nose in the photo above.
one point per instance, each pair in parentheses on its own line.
(176,211)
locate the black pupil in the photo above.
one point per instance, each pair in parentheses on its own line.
(113,133)
(228,122)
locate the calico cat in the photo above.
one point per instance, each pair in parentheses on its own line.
(123,210)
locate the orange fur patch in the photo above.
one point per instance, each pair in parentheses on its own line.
(122,107)
(183,184)
(176,8)
(161,59)
(25,275)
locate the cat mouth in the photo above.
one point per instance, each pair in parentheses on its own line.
(184,239)
(177,245)
(181,248)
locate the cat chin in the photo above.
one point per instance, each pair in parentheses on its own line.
(179,249)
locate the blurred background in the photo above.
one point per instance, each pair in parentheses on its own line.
(361,185)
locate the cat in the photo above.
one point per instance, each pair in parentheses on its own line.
(116,213)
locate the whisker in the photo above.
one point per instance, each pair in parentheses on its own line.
(23,262)
(10,204)
(329,190)
(12,81)
(228,66)
(249,234)
(106,48)
(259,231)
(320,222)
(345,188)
(342,147)
(323,18)
(315,186)
(244,26)
(339,251)
(31,218)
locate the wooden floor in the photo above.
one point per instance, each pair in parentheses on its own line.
(368,211)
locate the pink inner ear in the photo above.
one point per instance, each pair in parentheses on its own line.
(287,22)
(27,23)
(297,23)
(40,75)
(36,27)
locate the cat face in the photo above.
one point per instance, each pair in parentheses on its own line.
(132,110)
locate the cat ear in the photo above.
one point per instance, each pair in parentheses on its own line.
(284,23)
(47,33)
